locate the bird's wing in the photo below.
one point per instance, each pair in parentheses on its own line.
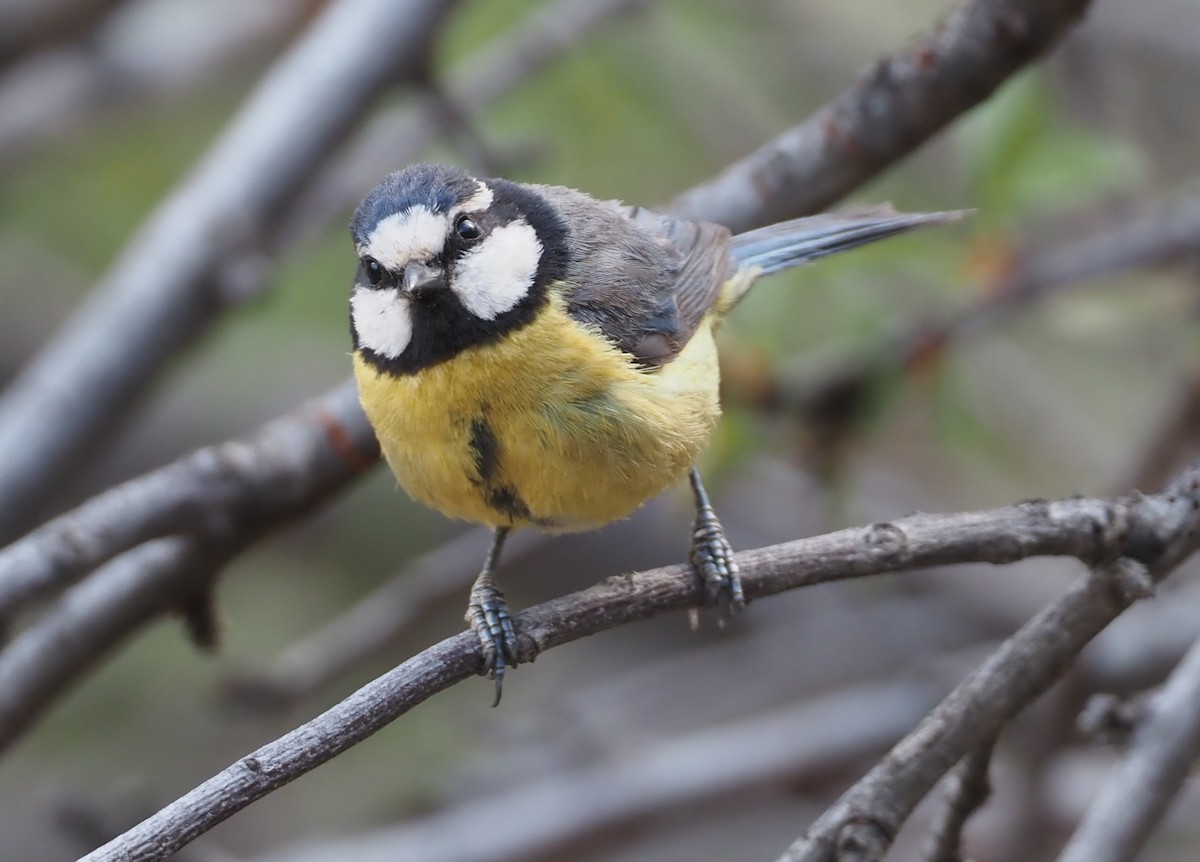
(703,263)
(645,280)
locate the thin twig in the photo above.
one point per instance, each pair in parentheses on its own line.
(1135,797)
(160,295)
(306,451)
(896,105)
(967,788)
(1130,534)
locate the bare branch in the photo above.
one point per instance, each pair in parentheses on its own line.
(863,822)
(1159,236)
(235,494)
(60,88)
(160,295)
(896,105)
(394,138)
(374,624)
(1158,531)
(1135,797)
(310,451)
(95,616)
(967,788)
(551,817)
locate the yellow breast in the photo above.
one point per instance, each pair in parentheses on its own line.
(550,427)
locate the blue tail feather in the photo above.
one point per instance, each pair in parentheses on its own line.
(791,243)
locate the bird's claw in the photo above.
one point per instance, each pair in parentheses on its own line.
(489,618)
(712,558)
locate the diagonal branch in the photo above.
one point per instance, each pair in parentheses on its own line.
(1161,235)
(160,295)
(1135,797)
(374,624)
(870,813)
(402,134)
(282,466)
(556,816)
(894,107)
(1121,536)
(967,788)
(226,498)
(77,631)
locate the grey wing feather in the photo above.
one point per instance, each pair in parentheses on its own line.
(645,280)
(704,265)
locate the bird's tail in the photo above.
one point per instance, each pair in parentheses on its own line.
(790,243)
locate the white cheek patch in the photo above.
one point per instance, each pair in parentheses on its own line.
(492,278)
(382,320)
(416,234)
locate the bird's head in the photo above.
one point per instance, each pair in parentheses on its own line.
(446,262)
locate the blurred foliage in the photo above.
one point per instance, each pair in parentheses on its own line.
(1025,162)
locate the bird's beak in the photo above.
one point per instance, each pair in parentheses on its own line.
(421,278)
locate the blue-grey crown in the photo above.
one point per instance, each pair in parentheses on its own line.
(436,187)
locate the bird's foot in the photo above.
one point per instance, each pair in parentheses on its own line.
(489,617)
(712,558)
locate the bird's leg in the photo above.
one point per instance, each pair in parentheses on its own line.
(712,557)
(487,612)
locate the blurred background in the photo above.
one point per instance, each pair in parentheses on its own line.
(907,376)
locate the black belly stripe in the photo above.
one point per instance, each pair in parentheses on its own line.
(505,500)
(485,449)
(499,496)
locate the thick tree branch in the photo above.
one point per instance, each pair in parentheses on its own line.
(77,632)
(399,136)
(896,105)
(64,87)
(310,451)
(213,505)
(1122,537)
(160,295)
(1135,797)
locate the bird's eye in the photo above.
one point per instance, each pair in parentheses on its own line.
(466,229)
(374,270)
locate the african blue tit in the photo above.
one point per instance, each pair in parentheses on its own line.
(532,357)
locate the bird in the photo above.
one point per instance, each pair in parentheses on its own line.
(532,357)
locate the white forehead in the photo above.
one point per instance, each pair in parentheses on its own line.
(415,234)
(418,233)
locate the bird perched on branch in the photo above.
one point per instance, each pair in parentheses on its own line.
(531,357)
